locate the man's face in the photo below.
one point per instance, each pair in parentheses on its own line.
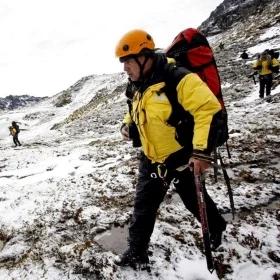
(132,68)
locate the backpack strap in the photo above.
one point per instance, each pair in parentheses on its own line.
(179,118)
(172,77)
(182,120)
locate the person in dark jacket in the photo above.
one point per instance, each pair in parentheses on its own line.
(244,55)
(163,158)
(266,65)
(221,46)
(15,132)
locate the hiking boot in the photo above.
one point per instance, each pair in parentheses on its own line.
(133,258)
(216,238)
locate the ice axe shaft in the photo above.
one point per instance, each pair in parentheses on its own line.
(204,223)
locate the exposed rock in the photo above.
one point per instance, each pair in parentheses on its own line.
(231,12)
(12,102)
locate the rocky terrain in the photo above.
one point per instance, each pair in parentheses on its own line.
(12,102)
(231,13)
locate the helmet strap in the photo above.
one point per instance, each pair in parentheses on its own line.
(141,66)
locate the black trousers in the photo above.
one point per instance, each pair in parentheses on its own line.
(150,193)
(265,84)
(15,139)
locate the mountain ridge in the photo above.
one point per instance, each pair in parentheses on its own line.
(12,102)
(230,12)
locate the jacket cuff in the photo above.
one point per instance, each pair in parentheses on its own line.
(202,155)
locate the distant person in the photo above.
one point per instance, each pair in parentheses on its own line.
(14,131)
(266,65)
(221,46)
(244,55)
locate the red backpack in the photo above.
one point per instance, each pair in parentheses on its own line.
(191,49)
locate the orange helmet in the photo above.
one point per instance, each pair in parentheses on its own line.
(133,43)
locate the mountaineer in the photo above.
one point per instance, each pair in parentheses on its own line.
(162,156)
(266,66)
(14,131)
(244,55)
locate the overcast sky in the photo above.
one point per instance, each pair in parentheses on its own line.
(47,45)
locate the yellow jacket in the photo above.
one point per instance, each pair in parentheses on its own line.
(12,131)
(151,110)
(264,66)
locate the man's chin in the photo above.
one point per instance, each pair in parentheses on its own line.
(132,78)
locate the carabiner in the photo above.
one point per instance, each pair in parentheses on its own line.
(161,170)
(153,175)
(175,181)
